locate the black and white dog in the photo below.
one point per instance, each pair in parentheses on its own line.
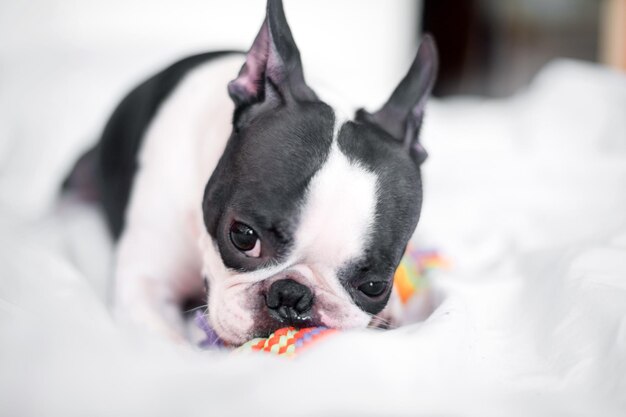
(228,168)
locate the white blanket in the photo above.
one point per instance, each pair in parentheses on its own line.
(526,196)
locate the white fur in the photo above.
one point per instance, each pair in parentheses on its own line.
(336,224)
(338,213)
(164,248)
(157,257)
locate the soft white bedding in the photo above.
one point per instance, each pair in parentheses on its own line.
(526,196)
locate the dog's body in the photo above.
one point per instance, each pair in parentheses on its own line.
(292,212)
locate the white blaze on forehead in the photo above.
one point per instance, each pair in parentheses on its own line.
(338,212)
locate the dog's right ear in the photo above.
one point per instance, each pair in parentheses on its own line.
(273,69)
(401,116)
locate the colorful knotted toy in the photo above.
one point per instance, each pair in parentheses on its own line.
(287,341)
(409,280)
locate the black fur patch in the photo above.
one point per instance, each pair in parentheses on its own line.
(263,176)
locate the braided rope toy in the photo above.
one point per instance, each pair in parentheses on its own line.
(287,341)
(410,279)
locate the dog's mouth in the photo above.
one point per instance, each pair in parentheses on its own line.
(270,321)
(262,330)
(285,317)
(271,313)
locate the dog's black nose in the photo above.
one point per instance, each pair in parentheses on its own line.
(289,300)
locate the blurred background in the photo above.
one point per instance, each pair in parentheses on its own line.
(64,64)
(492,48)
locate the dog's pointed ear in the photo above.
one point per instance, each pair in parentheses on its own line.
(272,64)
(401,116)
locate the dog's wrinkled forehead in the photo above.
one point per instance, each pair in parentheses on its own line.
(264,175)
(301,180)
(337,192)
(275,155)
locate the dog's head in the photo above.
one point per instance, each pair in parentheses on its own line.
(308,213)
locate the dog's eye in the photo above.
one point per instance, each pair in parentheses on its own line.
(373,288)
(245,239)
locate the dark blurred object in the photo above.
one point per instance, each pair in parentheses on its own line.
(464,42)
(494,47)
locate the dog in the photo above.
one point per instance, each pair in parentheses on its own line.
(225,176)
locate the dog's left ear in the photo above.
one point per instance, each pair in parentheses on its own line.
(401,116)
(273,69)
